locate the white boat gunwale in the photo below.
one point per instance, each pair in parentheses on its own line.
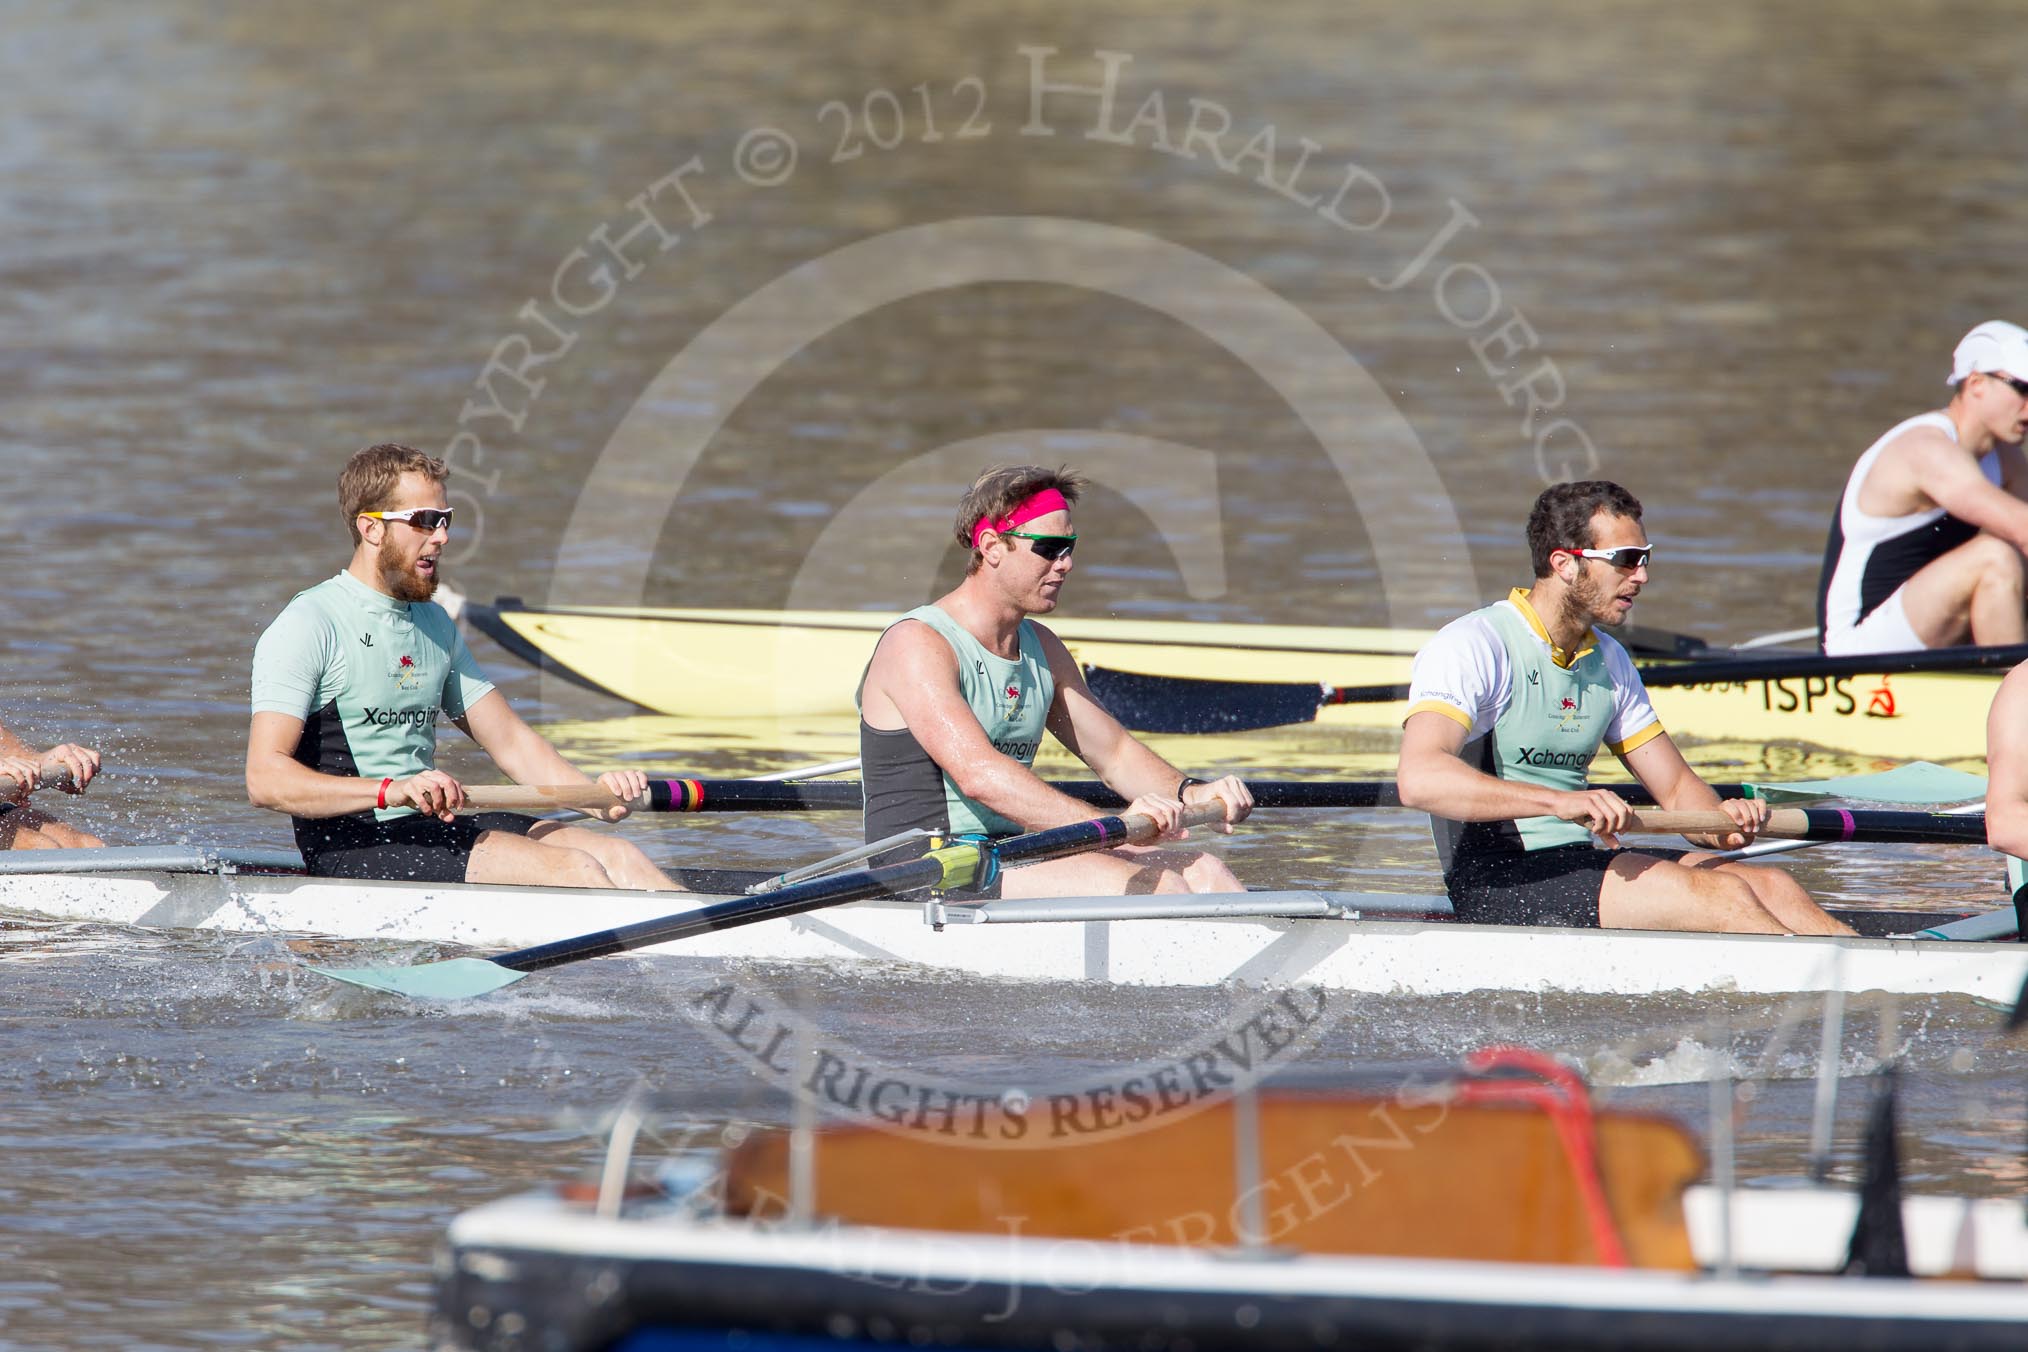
(1374,955)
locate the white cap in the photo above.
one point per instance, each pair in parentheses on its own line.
(1995,345)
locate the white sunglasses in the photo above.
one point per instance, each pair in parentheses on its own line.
(424,519)
(1626,556)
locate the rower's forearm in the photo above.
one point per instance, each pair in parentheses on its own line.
(1687,794)
(302,792)
(530,759)
(1449,788)
(1022,797)
(1140,772)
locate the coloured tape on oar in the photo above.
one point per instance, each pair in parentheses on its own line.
(676,795)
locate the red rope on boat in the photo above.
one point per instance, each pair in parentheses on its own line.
(1560,1092)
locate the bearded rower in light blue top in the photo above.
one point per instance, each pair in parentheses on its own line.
(1507,708)
(958,694)
(348,684)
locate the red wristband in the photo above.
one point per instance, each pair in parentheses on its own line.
(381,802)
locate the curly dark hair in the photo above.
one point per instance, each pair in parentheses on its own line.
(1561,517)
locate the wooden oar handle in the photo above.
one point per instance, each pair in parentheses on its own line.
(539,798)
(1791,822)
(1141,830)
(59,778)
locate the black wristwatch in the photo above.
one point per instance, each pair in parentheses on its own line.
(1185,783)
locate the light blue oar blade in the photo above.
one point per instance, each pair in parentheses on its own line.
(454,979)
(1987,925)
(1918,782)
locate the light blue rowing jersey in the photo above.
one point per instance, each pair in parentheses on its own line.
(369,675)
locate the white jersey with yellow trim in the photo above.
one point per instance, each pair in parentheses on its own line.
(1532,713)
(1466,673)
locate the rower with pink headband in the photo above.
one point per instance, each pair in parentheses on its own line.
(1040,503)
(960,693)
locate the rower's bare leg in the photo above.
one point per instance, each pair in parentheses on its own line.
(1647,892)
(506,857)
(27,828)
(1782,896)
(622,860)
(1129,870)
(1207,872)
(1974,592)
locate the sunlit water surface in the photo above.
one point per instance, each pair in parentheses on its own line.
(237,242)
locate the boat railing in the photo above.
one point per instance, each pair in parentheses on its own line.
(1183,906)
(844,859)
(153,859)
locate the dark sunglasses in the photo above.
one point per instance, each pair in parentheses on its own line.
(1050,547)
(424,519)
(2020,387)
(1628,557)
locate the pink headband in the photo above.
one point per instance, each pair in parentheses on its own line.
(1040,504)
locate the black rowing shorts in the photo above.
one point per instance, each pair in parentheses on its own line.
(406,849)
(1556,886)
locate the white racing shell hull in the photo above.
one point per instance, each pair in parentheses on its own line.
(1378,956)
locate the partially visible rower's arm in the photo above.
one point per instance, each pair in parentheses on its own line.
(2007,764)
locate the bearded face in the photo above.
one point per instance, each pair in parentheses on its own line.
(402,573)
(1590,600)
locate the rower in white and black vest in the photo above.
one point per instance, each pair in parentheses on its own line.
(1926,547)
(958,694)
(1507,707)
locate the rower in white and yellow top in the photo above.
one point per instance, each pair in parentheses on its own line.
(958,694)
(1509,705)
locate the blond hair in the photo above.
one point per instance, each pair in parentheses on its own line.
(1003,488)
(368,481)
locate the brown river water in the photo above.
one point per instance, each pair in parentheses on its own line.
(713,305)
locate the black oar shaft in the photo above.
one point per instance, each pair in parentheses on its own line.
(1893,828)
(1804,666)
(889,880)
(893,879)
(1188,704)
(1872,826)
